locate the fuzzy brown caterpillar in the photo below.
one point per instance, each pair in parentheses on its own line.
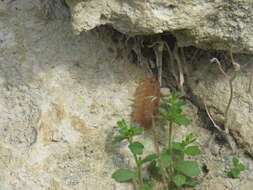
(147,99)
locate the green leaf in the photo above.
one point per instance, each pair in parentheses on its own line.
(179,180)
(234,173)
(149,158)
(166,159)
(241,167)
(153,169)
(238,168)
(124,132)
(160,116)
(191,182)
(122,175)
(192,150)
(179,155)
(189,139)
(133,125)
(147,185)
(136,148)
(122,124)
(180,103)
(177,149)
(171,110)
(118,139)
(235,161)
(178,146)
(181,120)
(189,168)
(137,131)
(174,98)
(176,95)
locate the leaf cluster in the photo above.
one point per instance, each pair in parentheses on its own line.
(237,168)
(171,110)
(183,170)
(173,163)
(127,132)
(179,171)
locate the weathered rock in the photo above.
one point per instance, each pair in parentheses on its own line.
(211,87)
(216,24)
(165,92)
(216,178)
(60,97)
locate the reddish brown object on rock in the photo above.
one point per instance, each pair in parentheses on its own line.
(147,99)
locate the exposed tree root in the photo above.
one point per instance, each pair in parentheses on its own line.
(227,121)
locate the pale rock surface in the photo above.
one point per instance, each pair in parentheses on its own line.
(215,24)
(210,86)
(60,98)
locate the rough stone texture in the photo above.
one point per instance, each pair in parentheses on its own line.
(217,164)
(60,97)
(209,24)
(210,86)
(216,158)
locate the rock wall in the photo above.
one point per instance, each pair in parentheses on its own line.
(215,24)
(209,86)
(61,94)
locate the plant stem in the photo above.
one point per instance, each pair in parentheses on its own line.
(170,137)
(138,165)
(138,169)
(158,153)
(170,150)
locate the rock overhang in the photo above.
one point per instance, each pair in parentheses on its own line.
(215,25)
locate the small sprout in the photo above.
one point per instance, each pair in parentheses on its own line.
(128,132)
(237,169)
(180,172)
(171,110)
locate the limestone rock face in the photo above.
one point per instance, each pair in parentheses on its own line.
(211,87)
(62,94)
(60,97)
(215,24)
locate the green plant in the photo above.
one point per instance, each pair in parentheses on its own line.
(237,168)
(172,164)
(179,171)
(127,132)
